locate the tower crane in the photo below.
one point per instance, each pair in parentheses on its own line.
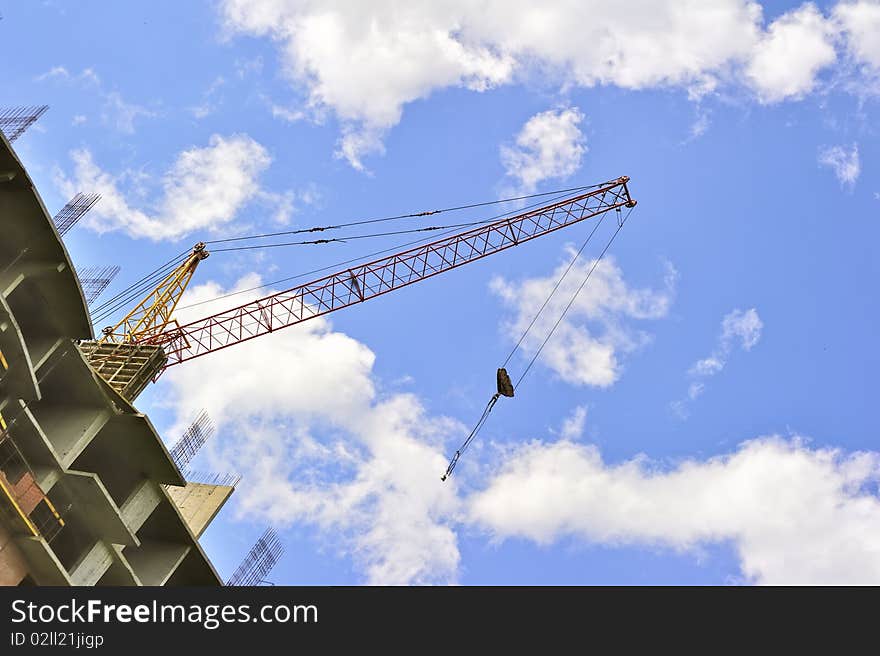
(150,323)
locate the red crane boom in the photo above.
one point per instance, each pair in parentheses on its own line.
(381,276)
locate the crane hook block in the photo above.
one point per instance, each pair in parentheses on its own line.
(505,387)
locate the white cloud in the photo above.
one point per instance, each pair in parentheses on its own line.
(744,327)
(203,189)
(586,346)
(210,101)
(53,73)
(708,366)
(796,47)
(844,162)
(327,450)
(365,61)
(549,145)
(573,426)
(794,514)
(695,389)
(247,67)
(285,113)
(357,143)
(700,125)
(202,111)
(116,112)
(122,114)
(86,76)
(738,328)
(861,22)
(298,413)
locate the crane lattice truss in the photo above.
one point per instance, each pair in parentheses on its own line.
(381,276)
(75,209)
(259,562)
(15,120)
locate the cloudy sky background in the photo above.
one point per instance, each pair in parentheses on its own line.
(704,414)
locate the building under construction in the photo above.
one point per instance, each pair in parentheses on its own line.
(89,494)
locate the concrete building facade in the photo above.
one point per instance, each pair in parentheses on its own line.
(89,494)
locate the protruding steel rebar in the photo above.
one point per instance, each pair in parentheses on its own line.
(95,280)
(192,440)
(76,207)
(230,479)
(15,120)
(262,557)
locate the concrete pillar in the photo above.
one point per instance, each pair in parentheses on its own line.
(140,504)
(13,566)
(92,565)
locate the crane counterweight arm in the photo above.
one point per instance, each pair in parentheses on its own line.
(381,276)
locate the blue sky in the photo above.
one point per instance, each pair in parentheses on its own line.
(706,412)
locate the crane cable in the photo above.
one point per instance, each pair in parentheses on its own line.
(121,300)
(560,194)
(553,291)
(404,216)
(557,195)
(134,291)
(348,238)
(573,298)
(149,276)
(502,373)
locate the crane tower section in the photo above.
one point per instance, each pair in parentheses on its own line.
(123,356)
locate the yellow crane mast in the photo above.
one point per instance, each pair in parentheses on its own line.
(153,314)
